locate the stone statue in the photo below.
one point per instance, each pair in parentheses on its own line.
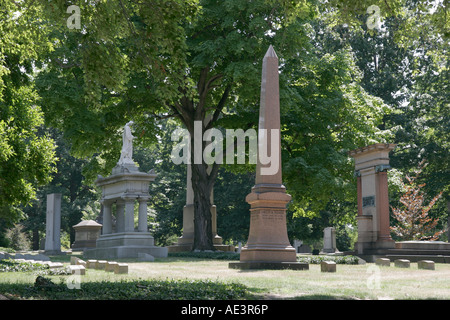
(126,156)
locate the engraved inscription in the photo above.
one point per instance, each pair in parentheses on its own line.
(368,201)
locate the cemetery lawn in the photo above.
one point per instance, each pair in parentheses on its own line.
(193,278)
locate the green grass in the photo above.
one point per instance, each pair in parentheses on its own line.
(205,278)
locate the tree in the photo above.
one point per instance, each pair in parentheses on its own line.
(27,157)
(413,221)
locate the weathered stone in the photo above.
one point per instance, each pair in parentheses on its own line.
(74,260)
(425,264)
(110,266)
(383,262)
(77,269)
(100,264)
(81,263)
(402,263)
(90,264)
(328,266)
(53,223)
(121,268)
(268,240)
(86,234)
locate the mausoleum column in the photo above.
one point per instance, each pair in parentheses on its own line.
(120,218)
(359,192)
(107,218)
(129,215)
(142,218)
(384,233)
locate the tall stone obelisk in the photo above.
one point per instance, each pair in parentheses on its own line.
(268,245)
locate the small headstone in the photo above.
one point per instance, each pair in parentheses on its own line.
(2,255)
(426,264)
(81,263)
(77,269)
(328,266)
(100,265)
(121,268)
(74,260)
(385,262)
(90,264)
(402,263)
(110,266)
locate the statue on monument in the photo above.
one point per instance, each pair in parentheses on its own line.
(126,156)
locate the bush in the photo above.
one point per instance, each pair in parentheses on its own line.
(17,238)
(319,258)
(44,288)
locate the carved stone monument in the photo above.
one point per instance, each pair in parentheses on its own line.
(186,241)
(329,242)
(120,193)
(86,234)
(268,245)
(371,165)
(53,224)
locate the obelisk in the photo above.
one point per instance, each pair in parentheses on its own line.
(268,245)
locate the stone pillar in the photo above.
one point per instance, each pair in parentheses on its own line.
(187,238)
(120,217)
(129,215)
(358,192)
(142,219)
(329,240)
(268,244)
(53,223)
(384,231)
(371,164)
(107,218)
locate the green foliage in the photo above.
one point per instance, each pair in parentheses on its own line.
(17,238)
(11,265)
(46,289)
(317,259)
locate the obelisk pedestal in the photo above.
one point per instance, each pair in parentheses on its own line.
(268,245)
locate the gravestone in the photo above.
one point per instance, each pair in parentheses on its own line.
(125,187)
(371,165)
(329,241)
(268,245)
(53,224)
(86,234)
(328,266)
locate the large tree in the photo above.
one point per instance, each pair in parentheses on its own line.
(27,157)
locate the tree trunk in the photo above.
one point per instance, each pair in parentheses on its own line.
(202,208)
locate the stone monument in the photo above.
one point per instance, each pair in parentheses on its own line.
(329,241)
(371,165)
(268,245)
(53,224)
(86,234)
(125,187)
(186,241)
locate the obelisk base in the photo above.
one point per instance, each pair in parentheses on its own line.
(268,245)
